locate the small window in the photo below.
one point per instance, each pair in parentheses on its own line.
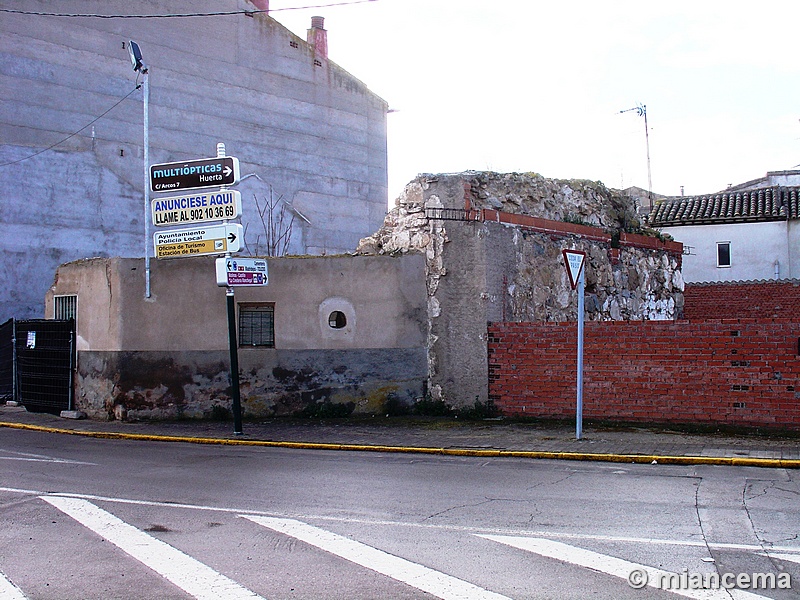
(723,254)
(257,325)
(65,307)
(337,320)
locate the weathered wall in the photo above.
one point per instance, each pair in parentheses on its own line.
(501,263)
(167,355)
(196,384)
(729,371)
(742,300)
(297,121)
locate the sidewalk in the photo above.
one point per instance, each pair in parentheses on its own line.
(491,438)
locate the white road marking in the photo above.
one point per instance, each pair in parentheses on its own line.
(416,525)
(189,574)
(611,565)
(428,580)
(8,591)
(795,558)
(25,456)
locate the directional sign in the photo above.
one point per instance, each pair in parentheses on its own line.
(241,271)
(574,260)
(193,174)
(197,208)
(214,239)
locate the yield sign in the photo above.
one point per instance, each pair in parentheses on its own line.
(574,260)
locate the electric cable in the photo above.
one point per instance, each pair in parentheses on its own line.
(92,122)
(181,15)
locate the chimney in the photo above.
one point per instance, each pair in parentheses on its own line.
(317,37)
(261,4)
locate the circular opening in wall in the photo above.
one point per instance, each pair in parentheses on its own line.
(337,320)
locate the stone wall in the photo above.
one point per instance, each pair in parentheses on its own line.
(493,248)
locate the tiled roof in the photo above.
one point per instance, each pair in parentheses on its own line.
(766,204)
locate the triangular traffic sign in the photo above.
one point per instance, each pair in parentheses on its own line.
(574,260)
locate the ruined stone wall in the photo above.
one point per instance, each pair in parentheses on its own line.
(493,248)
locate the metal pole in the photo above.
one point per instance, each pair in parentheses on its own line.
(579,411)
(647,145)
(233,345)
(147,236)
(233,342)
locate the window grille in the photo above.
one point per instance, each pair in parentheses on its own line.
(65,307)
(257,325)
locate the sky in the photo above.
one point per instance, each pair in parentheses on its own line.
(529,86)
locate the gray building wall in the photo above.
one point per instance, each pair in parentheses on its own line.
(299,124)
(167,355)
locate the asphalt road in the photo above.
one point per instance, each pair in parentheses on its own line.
(89,518)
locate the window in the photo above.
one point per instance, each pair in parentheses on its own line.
(65,307)
(257,325)
(337,320)
(723,254)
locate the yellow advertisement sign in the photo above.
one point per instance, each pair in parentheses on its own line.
(214,239)
(190,248)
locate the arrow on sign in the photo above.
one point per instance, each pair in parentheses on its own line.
(231,237)
(227,171)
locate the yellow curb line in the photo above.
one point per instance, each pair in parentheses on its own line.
(537,454)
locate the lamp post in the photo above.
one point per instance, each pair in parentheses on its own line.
(139,66)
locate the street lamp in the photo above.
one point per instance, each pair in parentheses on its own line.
(138,65)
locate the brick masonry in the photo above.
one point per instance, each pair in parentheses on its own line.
(761,299)
(730,371)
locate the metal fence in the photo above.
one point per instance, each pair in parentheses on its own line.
(37,362)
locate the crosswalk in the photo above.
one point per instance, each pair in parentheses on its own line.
(196,579)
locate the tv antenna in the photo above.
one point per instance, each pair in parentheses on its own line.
(641,110)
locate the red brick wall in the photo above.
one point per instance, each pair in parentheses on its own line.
(766,299)
(730,371)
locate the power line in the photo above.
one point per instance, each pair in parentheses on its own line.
(92,122)
(180,15)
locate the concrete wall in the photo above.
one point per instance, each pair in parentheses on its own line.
(754,249)
(298,122)
(167,356)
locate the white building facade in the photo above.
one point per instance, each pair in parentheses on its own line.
(746,233)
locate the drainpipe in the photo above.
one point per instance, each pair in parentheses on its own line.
(777,269)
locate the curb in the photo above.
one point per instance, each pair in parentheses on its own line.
(531,454)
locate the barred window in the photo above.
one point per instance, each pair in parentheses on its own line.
(65,307)
(257,325)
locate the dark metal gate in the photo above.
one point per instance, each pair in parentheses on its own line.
(37,362)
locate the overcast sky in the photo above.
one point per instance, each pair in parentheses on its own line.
(514,85)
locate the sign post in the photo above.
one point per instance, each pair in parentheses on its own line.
(574,260)
(221,204)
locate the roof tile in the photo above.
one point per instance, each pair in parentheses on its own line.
(765,204)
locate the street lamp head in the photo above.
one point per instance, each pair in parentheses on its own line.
(136,57)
